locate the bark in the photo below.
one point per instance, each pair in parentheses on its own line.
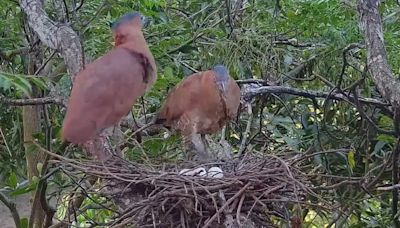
(388,86)
(12,207)
(62,38)
(30,101)
(56,36)
(371,25)
(32,126)
(65,40)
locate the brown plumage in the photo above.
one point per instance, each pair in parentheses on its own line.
(201,104)
(106,89)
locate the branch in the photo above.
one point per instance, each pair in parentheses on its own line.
(30,101)
(309,94)
(294,43)
(229,16)
(388,188)
(252,81)
(78,7)
(371,25)
(13,209)
(56,36)
(247,131)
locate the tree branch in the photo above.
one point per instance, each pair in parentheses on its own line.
(388,86)
(309,94)
(294,43)
(371,24)
(56,36)
(13,209)
(30,101)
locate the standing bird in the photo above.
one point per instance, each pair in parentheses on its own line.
(106,89)
(201,104)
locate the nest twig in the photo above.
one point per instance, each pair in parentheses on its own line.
(253,190)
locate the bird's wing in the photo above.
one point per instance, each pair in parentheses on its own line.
(180,99)
(120,79)
(105,91)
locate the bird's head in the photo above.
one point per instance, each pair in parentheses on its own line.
(221,77)
(127,26)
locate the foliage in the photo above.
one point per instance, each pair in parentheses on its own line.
(195,35)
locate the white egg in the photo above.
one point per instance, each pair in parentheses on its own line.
(200,172)
(215,172)
(184,172)
(195,172)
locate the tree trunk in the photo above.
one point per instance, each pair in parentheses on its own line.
(388,86)
(371,25)
(31,126)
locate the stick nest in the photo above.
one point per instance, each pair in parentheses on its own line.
(252,191)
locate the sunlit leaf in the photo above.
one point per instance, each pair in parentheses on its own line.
(12,180)
(350,159)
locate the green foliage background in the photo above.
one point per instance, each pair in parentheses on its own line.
(186,35)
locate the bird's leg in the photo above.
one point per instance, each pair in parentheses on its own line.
(205,143)
(189,148)
(112,137)
(118,137)
(98,147)
(200,147)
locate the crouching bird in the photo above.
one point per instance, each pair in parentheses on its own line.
(200,104)
(106,89)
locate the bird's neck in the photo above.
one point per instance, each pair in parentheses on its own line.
(138,44)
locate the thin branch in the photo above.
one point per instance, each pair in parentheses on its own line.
(66,10)
(13,209)
(30,101)
(309,94)
(229,16)
(247,131)
(45,63)
(252,81)
(79,6)
(196,35)
(239,193)
(388,188)
(365,116)
(60,37)
(294,43)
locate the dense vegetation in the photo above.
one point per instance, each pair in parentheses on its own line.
(312,46)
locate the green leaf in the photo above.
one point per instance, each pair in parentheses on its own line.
(39,82)
(378,146)
(24,222)
(23,85)
(23,190)
(12,180)
(386,138)
(168,72)
(350,159)
(5,83)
